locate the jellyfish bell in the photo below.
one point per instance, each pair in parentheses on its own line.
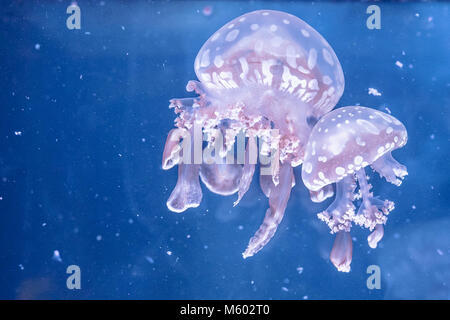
(274,49)
(222,179)
(350,138)
(263,72)
(341,145)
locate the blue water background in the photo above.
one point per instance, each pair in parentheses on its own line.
(83,122)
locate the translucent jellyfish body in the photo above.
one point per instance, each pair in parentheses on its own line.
(341,145)
(266,74)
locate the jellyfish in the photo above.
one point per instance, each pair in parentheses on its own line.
(341,145)
(269,76)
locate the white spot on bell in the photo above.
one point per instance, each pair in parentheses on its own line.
(340,171)
(232,35)
(303,70)
(291,56)
(204,62)
(358,160)
(326,80)
(305,33)
(312,58)
(254,26)
(206,77)
(218,61)
(313,85)
(215,36)
(244,66)
(327,56)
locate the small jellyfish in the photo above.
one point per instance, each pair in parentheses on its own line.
(341,145)
(269,75)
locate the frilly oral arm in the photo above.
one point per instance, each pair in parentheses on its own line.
(339,214)
(373,212)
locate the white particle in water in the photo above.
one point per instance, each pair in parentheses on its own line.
(374,92)
(56,256)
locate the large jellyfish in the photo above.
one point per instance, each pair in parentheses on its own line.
(267,74)
(341,145)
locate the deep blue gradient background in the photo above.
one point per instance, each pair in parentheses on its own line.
(84,177)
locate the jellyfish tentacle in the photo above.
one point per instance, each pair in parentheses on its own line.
(187,192)
(172,148)
(322,194)
(248,170)
(200,89)
(266,183)
(341,254)
(390,169)
(339,215)
(375,236)
(184,104)
(278,198)
(373,212)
